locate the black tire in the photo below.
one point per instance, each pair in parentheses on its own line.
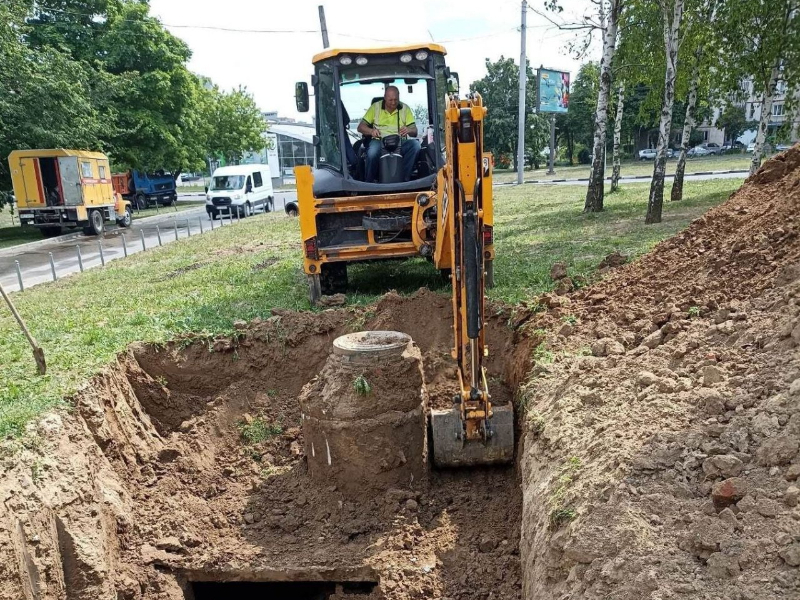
(292,209)
(488,267)
(248,210)
(53,231)
(399,223)
(174,200)
(333,278)
(212,214)
(127,219)
(96,223)
(269,205)
(314,289)
(141,201)
(240,212)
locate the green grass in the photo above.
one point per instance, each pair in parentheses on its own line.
(203,284)
(258,430)
(535,227)
(179,207)
(633,167)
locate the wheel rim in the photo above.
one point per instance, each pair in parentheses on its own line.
(97,221)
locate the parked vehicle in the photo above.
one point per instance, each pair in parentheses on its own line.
(240,189)
(782,147)
(647,154)
(712,148)
(66,188)
(146,189)
(751,147)
(697,151)
(727,146)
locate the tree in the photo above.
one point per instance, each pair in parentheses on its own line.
(733,120)
(761,41)
(537,138)
(500,91)
(672,13)
(237,125)
(579,121)
(618,136)
(610,12)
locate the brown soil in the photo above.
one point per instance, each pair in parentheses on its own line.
(187,463)
(664,463)
(660,457)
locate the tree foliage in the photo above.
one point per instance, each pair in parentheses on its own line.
(500,91)
(105,75)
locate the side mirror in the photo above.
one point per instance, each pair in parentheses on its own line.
(206,189)
(301,96)
(452,83)
(248,189)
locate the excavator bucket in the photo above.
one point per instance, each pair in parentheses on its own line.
(451,450)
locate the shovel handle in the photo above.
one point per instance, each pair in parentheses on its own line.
(38,353)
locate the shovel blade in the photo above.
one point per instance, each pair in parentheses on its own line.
(450,451)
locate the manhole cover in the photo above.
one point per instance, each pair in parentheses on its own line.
(371,342)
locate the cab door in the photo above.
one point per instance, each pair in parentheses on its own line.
(70,180)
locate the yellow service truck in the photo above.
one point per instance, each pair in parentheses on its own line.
(66,188)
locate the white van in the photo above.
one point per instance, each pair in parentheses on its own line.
(240,189)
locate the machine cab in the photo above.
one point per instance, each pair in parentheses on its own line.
(346,84)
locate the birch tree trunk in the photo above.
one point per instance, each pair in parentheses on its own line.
(688,126)
(610,18)
(617,136)
(672,12)
(766,114)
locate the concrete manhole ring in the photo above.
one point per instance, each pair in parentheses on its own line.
(372,343)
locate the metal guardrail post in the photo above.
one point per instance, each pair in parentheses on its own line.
(102,256)
(124,245)
(230,216)
(200,222)
(211,218)
(53,266)
(158,233)
(141,235)
(188,228)
(80,258)
(176,229)
(19,276)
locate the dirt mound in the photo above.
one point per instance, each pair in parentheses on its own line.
(662,451)
(183,467)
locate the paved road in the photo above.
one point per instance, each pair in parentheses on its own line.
(34,258)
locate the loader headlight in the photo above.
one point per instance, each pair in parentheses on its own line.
(421,55)
(362,60)
(405,58)
(423,199)
(346,60)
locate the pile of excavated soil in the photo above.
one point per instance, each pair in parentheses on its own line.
(661,459)
(185,463)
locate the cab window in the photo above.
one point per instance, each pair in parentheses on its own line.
(86,170)
(102,170)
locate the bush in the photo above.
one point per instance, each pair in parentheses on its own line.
(584,156)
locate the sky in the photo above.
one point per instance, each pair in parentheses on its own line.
(268,64)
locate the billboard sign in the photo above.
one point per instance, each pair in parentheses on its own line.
(553,91)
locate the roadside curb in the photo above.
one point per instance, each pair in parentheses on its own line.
(623,178)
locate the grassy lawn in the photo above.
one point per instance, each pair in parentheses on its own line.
(204,283)
(634,167)
(180,206)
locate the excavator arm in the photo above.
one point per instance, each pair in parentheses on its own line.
(473,432)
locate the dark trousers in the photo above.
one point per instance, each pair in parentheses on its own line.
(409,149)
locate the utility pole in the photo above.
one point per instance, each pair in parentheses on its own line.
(323,26)
(552,158)
(523,72)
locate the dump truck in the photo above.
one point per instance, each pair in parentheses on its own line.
(146,189)
(60,188)
(441,211)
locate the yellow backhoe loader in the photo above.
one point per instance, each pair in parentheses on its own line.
(442,212)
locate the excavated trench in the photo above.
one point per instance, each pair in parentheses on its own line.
(222,498)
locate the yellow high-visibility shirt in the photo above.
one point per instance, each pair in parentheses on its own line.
(389,123)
